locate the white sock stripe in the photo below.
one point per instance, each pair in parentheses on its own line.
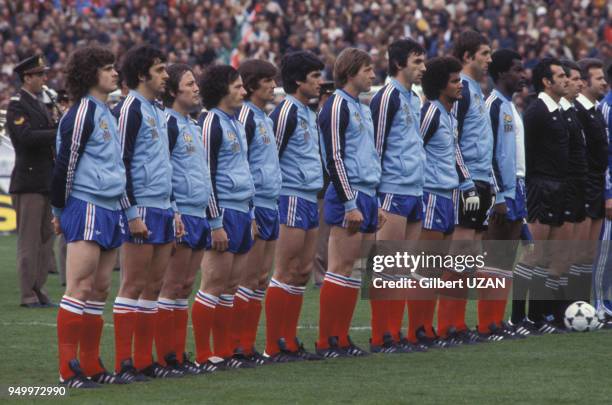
(242,296)
(206,303)
(181,303)
(245,291)
(147,306)
(259,293)
(72,305)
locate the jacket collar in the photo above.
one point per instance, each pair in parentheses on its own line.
(548,101)
(565,104)
(584,101)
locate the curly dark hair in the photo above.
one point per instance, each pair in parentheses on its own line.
(137,61)
(436,77)
(82,69)
(214,84)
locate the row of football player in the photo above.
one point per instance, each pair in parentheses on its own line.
(223,191)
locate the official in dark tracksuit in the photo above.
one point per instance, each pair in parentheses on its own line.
(32,132)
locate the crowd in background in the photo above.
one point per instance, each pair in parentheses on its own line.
(202,32)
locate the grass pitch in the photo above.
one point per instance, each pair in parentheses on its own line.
(567,369)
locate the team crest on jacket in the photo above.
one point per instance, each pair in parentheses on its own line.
(231,136)
(264,133)
(103,124)
(187,138)
(406,110)
(508,123)
(151,122)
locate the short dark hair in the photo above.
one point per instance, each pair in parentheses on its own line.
(501,62)
(468,41)
(542,70)
(435,79)
(348,64)
(175,74)
(82,69)
(137,61)
(587,64)
(569,65)
(609,75)
(215,82)
(399,51)
(254,70)
(296,66)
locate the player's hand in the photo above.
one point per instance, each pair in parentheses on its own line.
(138,229)
(179,227)
(609,208)
(254,229)
(382,218)
(471,201)
(57,226)
(353,219)
(220,242)
(498,216)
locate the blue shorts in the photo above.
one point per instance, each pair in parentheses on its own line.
(237,225)
(160,224)
(296,212)
(517,208)
(407,206)
(197,232)
(334,210)
(438,213)
(82,220)
(268,222)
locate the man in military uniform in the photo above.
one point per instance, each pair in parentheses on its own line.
(32,133)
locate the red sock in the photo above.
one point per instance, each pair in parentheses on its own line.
(91,332)
(294,306)
(164,330)
(144,333)
(69,321)
(451,310)
(202,318)
(275,315)
(222,326)
(330,312)
(421,307)
(124,319)
(346,301)
(380,319)
(460,307)
(181,318)
(239,316)
(252,320)
(396,317)
(491,305)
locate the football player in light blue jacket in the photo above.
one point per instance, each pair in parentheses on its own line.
(225,145)
(259,81)
(191,189)
(351,205)
(88,184)
(442,87)
(297,140)
(152,220)
(396,112)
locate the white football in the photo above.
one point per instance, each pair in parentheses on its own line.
(581,317)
